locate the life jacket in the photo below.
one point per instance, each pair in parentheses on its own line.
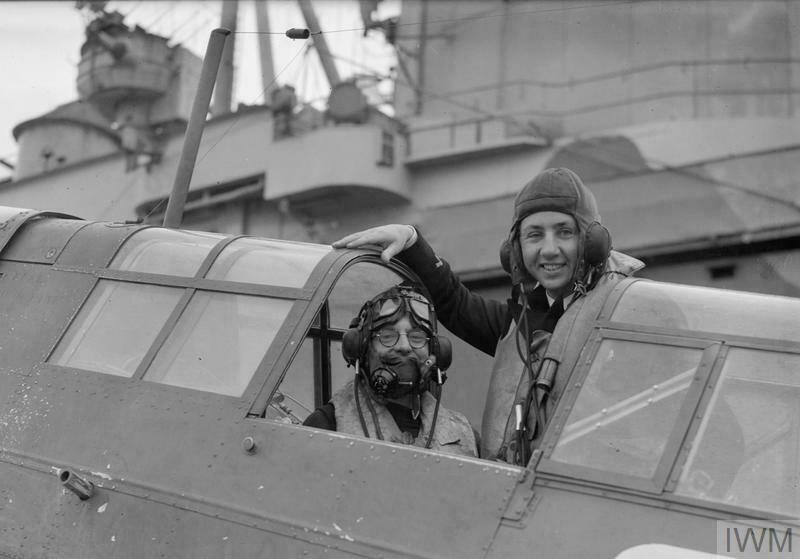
(452,432)
(509,384)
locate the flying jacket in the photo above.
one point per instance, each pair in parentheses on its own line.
(510,384)
(484,323)
(452,432)
(478,321)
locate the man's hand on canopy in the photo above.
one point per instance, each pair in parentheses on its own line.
(392,239)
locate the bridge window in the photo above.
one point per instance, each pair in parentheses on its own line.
(630,413)
(747,449)
(218,342)
(115,327)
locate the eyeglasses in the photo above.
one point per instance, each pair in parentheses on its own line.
(389,338)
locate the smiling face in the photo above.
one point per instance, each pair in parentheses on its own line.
(549,245)
(400,361)
(402,349)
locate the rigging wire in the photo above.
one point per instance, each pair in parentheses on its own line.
(136,6)
(461,19)
(188,20)
(610,162)
(684,171)
(505,118)
(193,33)
(526,12)
(230,127)
(160,16)
(132,180)
(654,163)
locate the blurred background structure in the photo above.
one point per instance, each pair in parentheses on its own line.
(681,116)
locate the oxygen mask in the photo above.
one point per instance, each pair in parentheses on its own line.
(395,376)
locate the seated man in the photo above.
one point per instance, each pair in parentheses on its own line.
(396,391)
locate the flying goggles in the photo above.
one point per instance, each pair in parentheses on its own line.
(393,304)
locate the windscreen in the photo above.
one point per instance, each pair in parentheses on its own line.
(747,450)
(218,342)
(627,408)
(709,310)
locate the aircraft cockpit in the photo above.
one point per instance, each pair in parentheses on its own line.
(212,313)
(171,371)
(685,392)
(189,309)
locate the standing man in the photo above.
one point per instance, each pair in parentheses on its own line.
(395,394)
(556,252)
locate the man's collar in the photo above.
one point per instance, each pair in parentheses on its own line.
(566,299)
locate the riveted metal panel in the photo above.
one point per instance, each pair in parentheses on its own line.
(11,219)
(96,244)
(38,518)
(41,239)
(569,524)
(36,302)
(179,453)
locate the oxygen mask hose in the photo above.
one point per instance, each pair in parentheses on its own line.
(395,377)
(425,373)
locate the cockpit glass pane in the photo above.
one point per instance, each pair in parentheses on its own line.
(357,285)
(627,407)
(165,251)
(747,449)
(259,261)
(115,327)
(218,342)
(294,399)
(709,310)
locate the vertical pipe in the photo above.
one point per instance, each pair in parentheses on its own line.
(502,63)
(194,131)
(264,48)
(423,37)
(223,95)
(320,44)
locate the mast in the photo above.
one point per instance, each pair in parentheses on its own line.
(320,44)
(223,95)
(264,48)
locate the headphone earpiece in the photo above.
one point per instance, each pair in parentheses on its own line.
(443,350)
(597,244)
(511,258)
(505,256)
(352,346)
